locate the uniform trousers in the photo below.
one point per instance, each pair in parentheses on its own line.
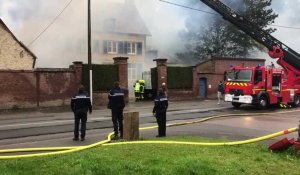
(117,119)
(80,118)
(161,121)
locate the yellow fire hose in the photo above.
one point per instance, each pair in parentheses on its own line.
(64,150)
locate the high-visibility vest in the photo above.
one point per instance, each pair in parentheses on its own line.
(137,87)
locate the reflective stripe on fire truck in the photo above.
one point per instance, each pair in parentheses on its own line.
(236,84)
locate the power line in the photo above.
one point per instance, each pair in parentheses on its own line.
(168,2)
(179,5)
(49,25)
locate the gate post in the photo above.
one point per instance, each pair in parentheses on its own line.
(162,75)
(131,126)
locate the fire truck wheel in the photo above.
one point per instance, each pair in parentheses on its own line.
(296,101)
(236,105)
(263,102)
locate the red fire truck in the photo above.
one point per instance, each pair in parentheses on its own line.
(261,85)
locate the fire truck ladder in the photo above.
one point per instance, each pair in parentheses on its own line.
(290,59)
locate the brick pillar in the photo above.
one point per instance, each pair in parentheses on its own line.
(122,63)
(161,65)
(77,67)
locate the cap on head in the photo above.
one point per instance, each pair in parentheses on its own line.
(116,84)
(81,88)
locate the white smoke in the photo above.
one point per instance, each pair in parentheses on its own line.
(55,47)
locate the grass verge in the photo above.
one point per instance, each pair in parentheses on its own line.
(160,159)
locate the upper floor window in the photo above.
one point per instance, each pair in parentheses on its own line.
(131,48)
(110,47)
(123,47)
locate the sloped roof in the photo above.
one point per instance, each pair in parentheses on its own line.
(127,19)
(18,41)
(230,58)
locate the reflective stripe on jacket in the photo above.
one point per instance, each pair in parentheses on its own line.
(81,102)
(160,104)
(116,97)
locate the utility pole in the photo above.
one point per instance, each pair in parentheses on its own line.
(90,51)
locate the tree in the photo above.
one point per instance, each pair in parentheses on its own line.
(221,38)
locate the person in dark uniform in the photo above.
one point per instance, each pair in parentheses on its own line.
(117,104)
(160,112)
(80,105)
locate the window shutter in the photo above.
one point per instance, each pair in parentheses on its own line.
(105,47)
(140,48)
(120,47)
(125,47)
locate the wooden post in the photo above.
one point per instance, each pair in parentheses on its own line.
(131,126)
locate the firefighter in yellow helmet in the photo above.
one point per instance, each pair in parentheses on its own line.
(142,88)
(137,90)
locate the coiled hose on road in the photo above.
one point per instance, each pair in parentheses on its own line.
(64,150)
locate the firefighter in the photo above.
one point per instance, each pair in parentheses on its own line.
(221,90)
(80,105)
(160,112)
(117,104)
(142,88)
(137,90)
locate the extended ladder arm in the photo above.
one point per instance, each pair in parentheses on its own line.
(288,58)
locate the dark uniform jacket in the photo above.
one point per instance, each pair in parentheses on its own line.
(81,103)
(221,87)
(116,98)
(160,104)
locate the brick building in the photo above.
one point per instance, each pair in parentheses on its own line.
(211,71)
(14,55)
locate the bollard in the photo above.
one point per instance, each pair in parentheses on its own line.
(131,126)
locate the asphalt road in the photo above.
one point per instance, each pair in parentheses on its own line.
(55,129)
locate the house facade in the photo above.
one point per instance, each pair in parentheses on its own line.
(14,55)
(119,31)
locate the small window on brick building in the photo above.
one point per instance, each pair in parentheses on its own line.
(22,54)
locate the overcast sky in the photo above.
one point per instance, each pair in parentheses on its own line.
(27,18)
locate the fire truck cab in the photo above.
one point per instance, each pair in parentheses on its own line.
(261,86)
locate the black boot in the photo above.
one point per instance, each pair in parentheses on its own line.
(115,137)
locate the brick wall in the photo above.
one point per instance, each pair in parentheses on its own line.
(55,87)
(38,88)
(17,89)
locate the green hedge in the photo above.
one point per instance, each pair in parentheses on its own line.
(154,78)
(103,76)
(180,77)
